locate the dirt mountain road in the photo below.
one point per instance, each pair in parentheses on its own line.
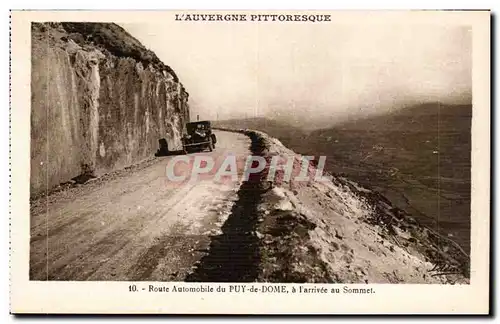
(133,226)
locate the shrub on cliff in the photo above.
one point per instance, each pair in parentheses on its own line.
(115,40)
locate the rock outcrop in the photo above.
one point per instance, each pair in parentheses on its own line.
(100,102)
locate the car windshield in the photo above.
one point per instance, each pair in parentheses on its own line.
(191,127)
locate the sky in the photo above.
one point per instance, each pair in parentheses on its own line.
(312,72)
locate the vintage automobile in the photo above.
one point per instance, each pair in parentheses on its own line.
(199,136)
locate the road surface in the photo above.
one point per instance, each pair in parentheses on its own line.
(134,226)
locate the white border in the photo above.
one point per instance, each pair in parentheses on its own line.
(456,4)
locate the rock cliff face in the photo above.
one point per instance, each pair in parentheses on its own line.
(100,101)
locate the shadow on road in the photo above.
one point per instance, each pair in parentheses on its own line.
(234,255)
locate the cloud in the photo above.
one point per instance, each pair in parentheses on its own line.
(324,70)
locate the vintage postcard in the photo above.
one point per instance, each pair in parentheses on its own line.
(250,162)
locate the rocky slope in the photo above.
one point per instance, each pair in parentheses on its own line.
(100,102)
(338,231)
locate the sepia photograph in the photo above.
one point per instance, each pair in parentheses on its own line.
(252,147)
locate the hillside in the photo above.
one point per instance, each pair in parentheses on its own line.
(418,158)
(335,231)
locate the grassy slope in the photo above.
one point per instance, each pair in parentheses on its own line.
(417,160)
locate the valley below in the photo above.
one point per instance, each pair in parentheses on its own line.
(418,158)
